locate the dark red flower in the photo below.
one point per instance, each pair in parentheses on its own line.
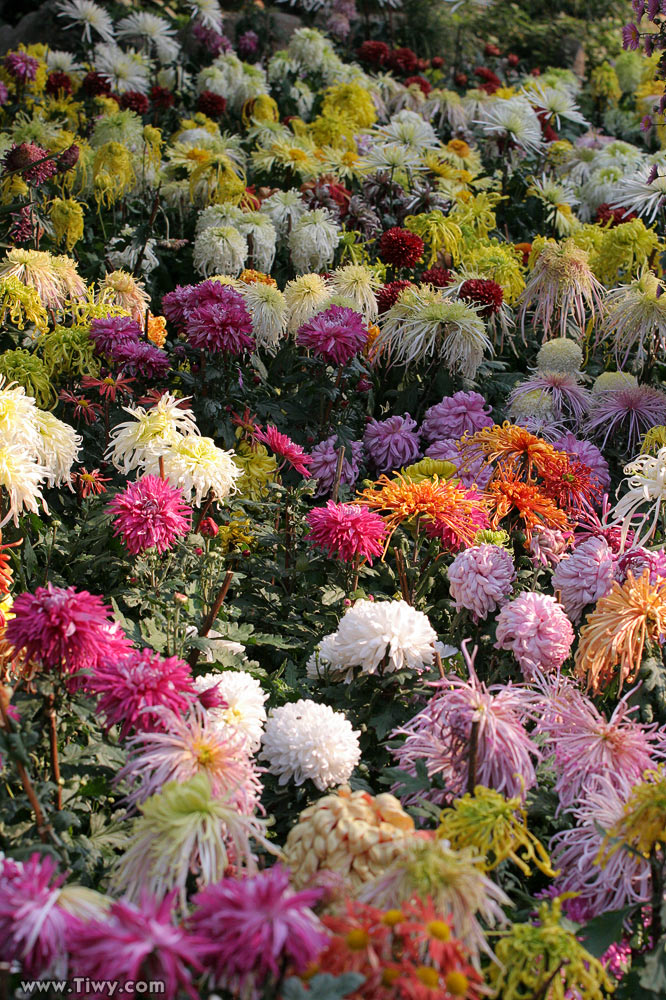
(132,100)
(210,104)
(68,159)
(424,84)
(57,83)
(491,82)
(614,216)
(482,292)
(438,276)
(491,50)
(387,296)
(400,247)
(513,59)
(461,79)
(208,528)
(161,97)
(403,60)
(95,84)
(373,53)
(30,160)
(436,62)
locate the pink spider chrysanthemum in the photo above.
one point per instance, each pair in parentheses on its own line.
(567,399)
(150,514)
(537,631)
(34,930)
(285,448)
(135,943)
(627,412)
(129,689)
(347,531)
(187,747)
(585,744)
(440,735)
(583,576)
(255,926)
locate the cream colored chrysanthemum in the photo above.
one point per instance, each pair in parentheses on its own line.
(561,354)
(613,380)
(36,269)
(197,466)
(357,283)
(305,296)
(21,477)
(149,430)
(220,249)
(89,16)
(561,288)
(313,240)
(18,418)
(268,308)
(59,447)
(120,288)
(245,697)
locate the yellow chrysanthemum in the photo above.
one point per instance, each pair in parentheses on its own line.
(502,263)
(113,173)
(21,304)
(642,825)
(438,232)
(352,101)
(426,469)
(66,216)
(156,330)
(258,467)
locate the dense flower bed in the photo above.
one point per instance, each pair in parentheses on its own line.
(332,482)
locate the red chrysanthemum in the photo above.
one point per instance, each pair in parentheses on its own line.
(94,84)
(400,247)
(210,104)
(484,293)
(421,82)
(150,514)
(162,97)
(347,531)
(438,276)
(373,53)
(59,83)
(285,448)
(613,216)
(403,61)
(132,100)
(387,295)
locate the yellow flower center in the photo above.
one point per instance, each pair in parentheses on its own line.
(457,983)
(393,917)
(297,155)
(428,976)
(459,147)
(389,976)
(358,939)
(439,929)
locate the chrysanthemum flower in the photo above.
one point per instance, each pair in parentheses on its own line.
(535,628)
(584,576)
(253,927)
(36,269)
(616,632)
(313,240)
(389,293)
(627,412)
(154,429)
(562,287)
(481,578)
(641,825)
(561,354)
(109,333)
(513,446)
(456,415)
(439,735)
(507,496)
(304,740)
(122,289)
(244,711)
(589,455)
(221,322)
(220,250)
(267,306)
(150,514)
(392,443)
(474,472)
(197,466)
(400,247)
(305,296)
(336,334)
(324,464)
(347,531)
(646,481)
(35,930)
(285,448)
(359,284)
(22,478)
(32,161)
(89,16)
(483,293)
(512,120)
(129,688)
(635,319)
(567,399)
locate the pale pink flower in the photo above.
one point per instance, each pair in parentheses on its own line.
(584,576)
(535,628)
(548,546)
(480,579)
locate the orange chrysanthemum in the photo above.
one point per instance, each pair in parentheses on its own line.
(507,496)
(569,482)
(249,276)
(448,510)
(6,576)
(156,330)
(616,632)
(525,452)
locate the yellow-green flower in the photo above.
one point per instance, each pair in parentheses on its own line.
(438,233)
(259,468)
(68,350)
(604,85)
(113,173)
(21,303)
(624,249)
(642,825)
(30,372)
(427,468)
(500,262)
(653,440)
(351,101)
(66,215)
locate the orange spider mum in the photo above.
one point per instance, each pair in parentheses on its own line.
(510,443)
(616,632)
(6,576)
(449,511)
(506,494)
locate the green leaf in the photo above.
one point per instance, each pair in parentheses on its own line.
(599,934)
(323,987)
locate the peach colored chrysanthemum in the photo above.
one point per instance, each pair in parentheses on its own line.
(616,633)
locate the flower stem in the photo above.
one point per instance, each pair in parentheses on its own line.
(53,741)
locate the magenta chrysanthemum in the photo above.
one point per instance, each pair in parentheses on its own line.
(439,735)
(285,448)
(255,926)
(325,462)
(65,629)
(392,443)
(627,412)
(589,455)
(535,628)
(137,943)
(336,334)
(347,531)
(113,333)
(150,514)
(220,321)
(21,66)
(464,412)
(637,560)
(584,576)
(480,578)
(131,687)
(34,930)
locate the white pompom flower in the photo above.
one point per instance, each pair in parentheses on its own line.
(306,740)
(245,698)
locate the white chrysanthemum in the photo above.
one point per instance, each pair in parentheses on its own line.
(261,238)
(61,61)
(408,128)
(89,17)
(59,447)
(646,482)
(513,118)
(125,69)
(215,215)
(308,47)
(635,318)
(556,102)
(642,193)
(268,308)
(558,200)
(313,240)
(235,80)
(150,30)
(208,13)
(378,636)
(561,354)
(21,478)
(245,697)
(305,740)
(281,66)
(197,466)
(358,283)
(305,297)
(393,157)
(219,250)
(18,418)
(284,209)
(157,428)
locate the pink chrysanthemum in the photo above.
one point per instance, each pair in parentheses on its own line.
(65,629)
(480,578)
(336,334)
(464,412)
(537,631)
(584,576)
(256,926)
(637,560)
(591,525)
(21,66)
(348,531)
(567,399)
(548,546)
(218,320)
(187,747)
(473,471)
(439,735)
(130,688)
(392,443)
(589,455)
(587,745)
(150,514)
(285,448)
(34,930)
(626,412)
(137,943)
(325,463)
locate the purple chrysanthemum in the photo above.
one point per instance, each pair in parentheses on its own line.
(325,462)
(455,415)
(174,303)
(474,471)
(113,333)
(336,334)
(627,412)
(219,321)
(21,66)
(589,455)
(392,443)
(481,578)
(131,687)
(137,943)
(255,926)
(34,930)
(535,628)
(142,359)
(65,629)
(347,530)
(150,514)
(584,576)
